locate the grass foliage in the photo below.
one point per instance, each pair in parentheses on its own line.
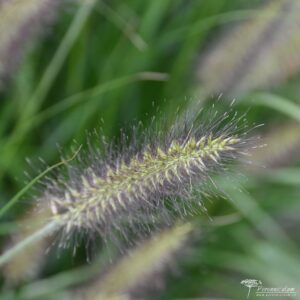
(108,64)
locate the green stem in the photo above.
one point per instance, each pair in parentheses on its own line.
(16,198)
(59,58)
(38,235)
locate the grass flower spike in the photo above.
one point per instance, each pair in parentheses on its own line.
(142,268)
(131,189)
(19,21)
(103,197)
(138,181)
(260,52)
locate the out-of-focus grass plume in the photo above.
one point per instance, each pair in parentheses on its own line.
(142,268)
(258,53)
(282,146)
(26,265)
(20,20)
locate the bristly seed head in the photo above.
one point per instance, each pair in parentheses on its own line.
(119,193)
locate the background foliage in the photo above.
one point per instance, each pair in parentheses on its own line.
(110,63)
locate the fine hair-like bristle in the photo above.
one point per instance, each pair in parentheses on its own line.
(133,184)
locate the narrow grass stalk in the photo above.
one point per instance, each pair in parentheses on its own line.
(57,61)
(68,102)
(40,234)
(27,265)
(278,103)
(18,196)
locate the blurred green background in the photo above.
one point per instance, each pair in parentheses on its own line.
(106,64)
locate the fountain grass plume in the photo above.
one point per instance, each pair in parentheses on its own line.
(19,22)
(122,186)
(261,52)
(142,268)
(119,187)
(28,263)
